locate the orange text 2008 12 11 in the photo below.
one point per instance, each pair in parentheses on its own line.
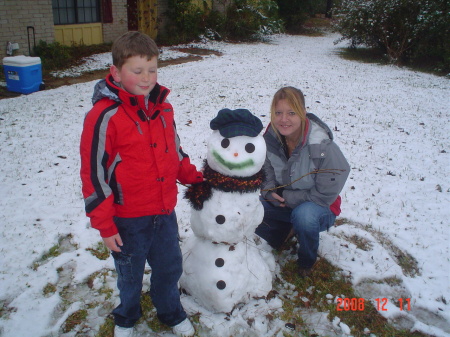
(358,304)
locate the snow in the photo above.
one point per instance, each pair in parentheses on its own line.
(391,123)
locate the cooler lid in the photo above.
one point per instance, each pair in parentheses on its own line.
(21,61)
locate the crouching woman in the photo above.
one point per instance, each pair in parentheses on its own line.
(305,172)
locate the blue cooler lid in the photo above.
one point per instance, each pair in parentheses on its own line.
(21,61)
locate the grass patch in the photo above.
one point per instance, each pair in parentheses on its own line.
(51,253)
(407,262)
(49,289)
(64,244)
(100,251)
(392,281)
(75,319)
(359,242)
(149,314)
(316,26)
(365,55)
(107,328)
(377,56)
(104,289)
(320,292)
(148,317)
(5,310)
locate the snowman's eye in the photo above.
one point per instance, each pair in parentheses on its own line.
(250,148)
(225,143)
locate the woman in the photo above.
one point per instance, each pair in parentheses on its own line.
(305,172)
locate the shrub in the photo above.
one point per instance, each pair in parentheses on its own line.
(56,56)
(242,20)
(405,30)
(252,20)
(186,20)
(53,55)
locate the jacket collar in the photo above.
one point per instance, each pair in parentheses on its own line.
(157,96)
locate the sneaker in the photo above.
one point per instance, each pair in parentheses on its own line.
(184,329)
(123,332)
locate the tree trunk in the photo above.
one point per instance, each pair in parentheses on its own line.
(328,12)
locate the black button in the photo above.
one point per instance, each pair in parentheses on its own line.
(221,285)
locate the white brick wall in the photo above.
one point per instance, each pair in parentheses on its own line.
(120,22)
(16,15)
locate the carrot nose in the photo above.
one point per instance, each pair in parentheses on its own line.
(236,154)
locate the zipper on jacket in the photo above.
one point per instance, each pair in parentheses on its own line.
(139,127)
(135,122)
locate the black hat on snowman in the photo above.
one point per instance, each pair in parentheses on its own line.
(234,123)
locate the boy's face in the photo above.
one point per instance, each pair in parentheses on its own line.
(138,75)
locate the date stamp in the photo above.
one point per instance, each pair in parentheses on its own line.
(358,304)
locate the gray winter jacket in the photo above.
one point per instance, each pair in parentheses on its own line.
(318,152)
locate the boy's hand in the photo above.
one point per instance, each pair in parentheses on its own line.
(113,242)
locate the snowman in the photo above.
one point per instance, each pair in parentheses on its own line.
(224,262)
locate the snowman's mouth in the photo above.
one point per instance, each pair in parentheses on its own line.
(232,166)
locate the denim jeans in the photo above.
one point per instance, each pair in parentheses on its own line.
(153,239)
(308,220)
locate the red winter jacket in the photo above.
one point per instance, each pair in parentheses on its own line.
(130,156)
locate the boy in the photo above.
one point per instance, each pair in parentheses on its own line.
(130,162)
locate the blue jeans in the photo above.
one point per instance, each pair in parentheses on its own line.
(153,239)
(308,220)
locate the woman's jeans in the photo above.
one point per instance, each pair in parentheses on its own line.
(308,220)
(153,239)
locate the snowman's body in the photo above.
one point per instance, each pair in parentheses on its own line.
(223,265)
(228,217)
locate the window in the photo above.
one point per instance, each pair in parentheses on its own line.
(75,11)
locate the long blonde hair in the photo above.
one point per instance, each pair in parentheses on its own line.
(296,101)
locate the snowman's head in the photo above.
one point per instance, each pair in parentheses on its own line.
(236,147)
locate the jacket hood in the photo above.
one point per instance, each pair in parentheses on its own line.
(102,91)
(313,118)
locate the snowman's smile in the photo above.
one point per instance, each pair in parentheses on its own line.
(232,166)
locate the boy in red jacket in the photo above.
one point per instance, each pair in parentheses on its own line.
(131,160)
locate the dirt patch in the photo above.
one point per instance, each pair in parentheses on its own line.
(199,51)
(52,82)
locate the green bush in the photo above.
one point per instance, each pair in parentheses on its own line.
(407,31)
(186,21)
(53,55)
(242,20)
(56,56)
(252,20)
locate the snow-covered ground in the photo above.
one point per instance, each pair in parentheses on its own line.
(391,123)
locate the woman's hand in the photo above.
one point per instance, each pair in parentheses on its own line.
(114,242)
(279,199)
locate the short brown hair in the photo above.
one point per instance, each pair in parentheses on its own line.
(133,44)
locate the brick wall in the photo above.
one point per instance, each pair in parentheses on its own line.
(16,15)
(120,22)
